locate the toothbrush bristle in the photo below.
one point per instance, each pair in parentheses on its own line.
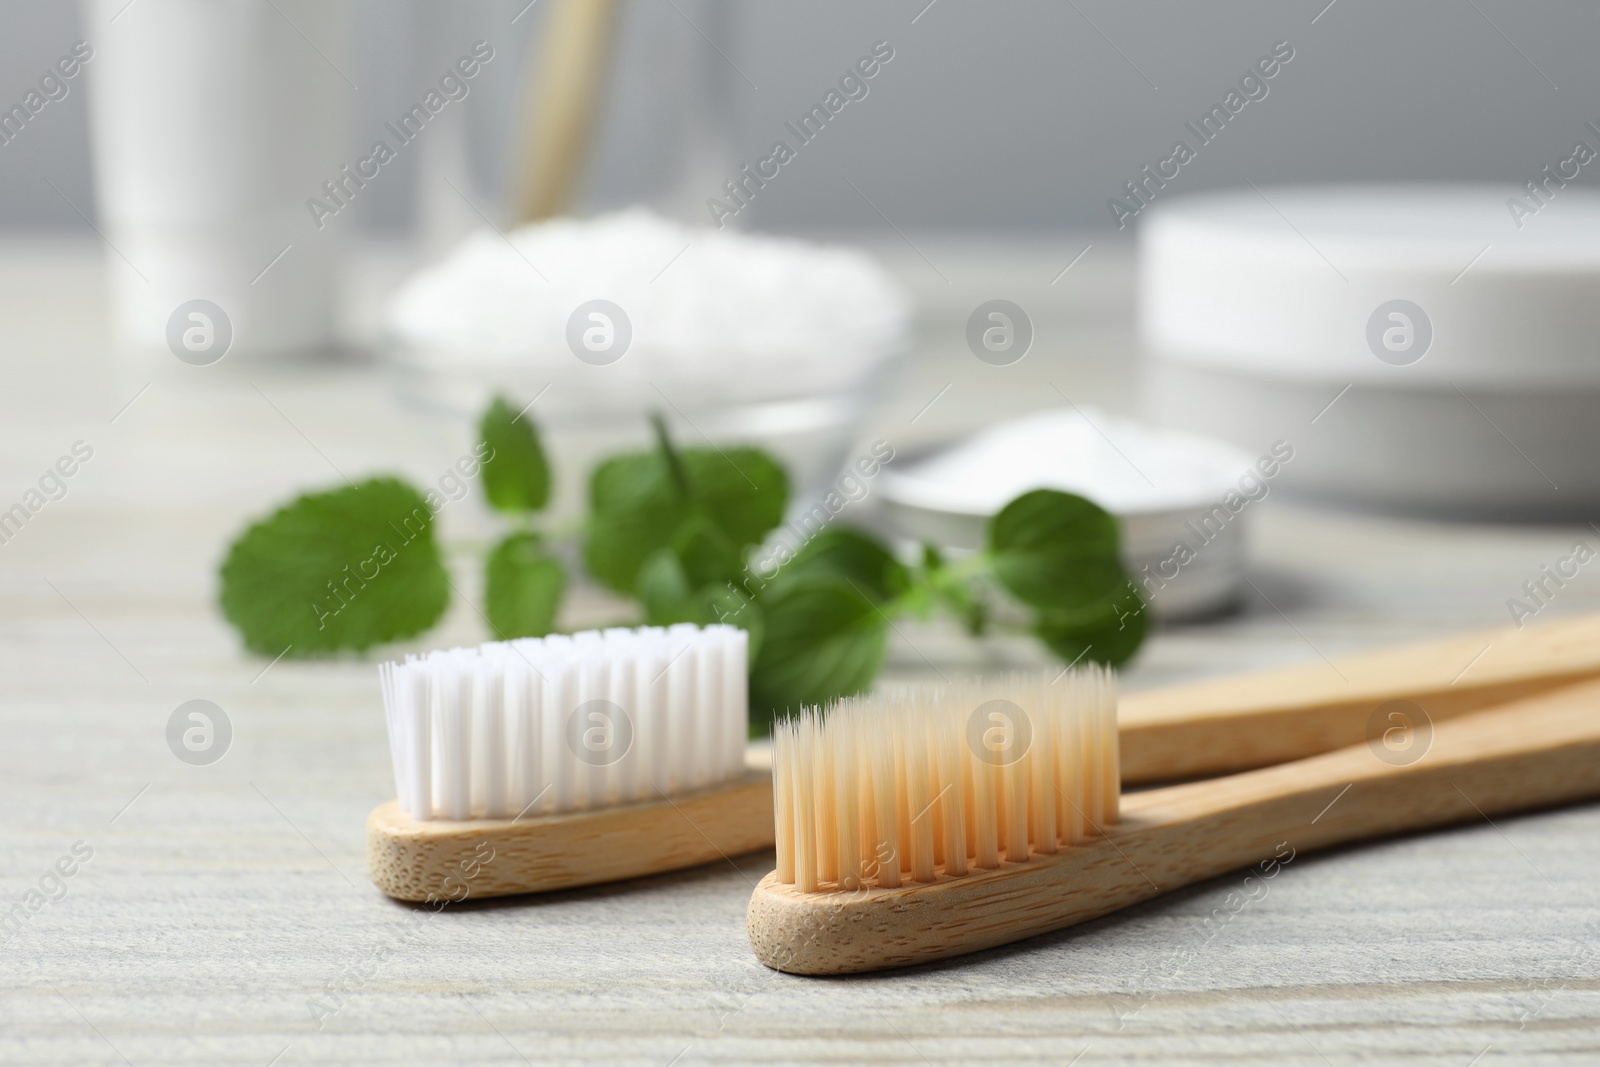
(563,723)
(920,783)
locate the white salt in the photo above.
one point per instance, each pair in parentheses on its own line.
(1126,467)
(722,314)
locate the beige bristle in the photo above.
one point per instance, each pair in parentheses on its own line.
(922,783)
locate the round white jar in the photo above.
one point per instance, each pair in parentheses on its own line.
(1426,348)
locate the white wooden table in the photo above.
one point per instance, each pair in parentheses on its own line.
(225,917)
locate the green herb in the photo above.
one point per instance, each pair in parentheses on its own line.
(708,506)
(856,557)
(343,569)
(516,477)
(1059,553)
(523,587)
(664,590)
(522,582)
(824,639)
(674,529)
(828,610)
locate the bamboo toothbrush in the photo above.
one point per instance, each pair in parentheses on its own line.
(474,756)
(533,765)
(940,822)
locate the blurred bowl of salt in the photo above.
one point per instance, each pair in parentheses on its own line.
(735,338)
(1184,502)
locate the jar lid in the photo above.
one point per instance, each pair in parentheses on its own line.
(1408,286)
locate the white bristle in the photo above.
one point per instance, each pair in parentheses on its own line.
(566,723)
(932,782)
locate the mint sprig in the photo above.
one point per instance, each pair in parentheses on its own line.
(828,610)
(675,530)
(709,507)
(522,581)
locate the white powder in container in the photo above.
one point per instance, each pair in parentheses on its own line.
(1168,488)
(1127,467)
(716,315)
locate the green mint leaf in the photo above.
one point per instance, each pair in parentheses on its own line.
(1059,553)
(636,507)
(634,511)
(516,475)
(823,639)
(1056,551)
(706,552)
(855,556)
(1109,634)
(742,490)
(343,569)
(664,590)
(1046,518)
(523,584)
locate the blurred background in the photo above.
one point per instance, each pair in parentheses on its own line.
(1002,153)
(1021,117)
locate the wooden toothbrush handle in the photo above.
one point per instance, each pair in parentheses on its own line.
(1534,753)
(443,860)
(569,77)
(1226,725)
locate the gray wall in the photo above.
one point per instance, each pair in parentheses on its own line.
(1018,114)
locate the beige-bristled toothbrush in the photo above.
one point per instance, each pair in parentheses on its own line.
(936,823)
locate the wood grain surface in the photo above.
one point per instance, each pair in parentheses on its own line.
(225,916)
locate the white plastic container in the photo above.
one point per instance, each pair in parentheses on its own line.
(1424,348)
(212,125)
